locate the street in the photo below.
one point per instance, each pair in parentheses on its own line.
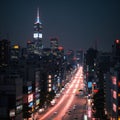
(71,104)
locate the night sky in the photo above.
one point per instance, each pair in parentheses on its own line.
(76,23)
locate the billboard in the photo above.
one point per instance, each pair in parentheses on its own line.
(30,98)
(89,84)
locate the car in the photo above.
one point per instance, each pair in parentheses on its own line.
(69,112)
(76,95)
(41,110)
(81,90)
(55,112)
(57,95)
(74,107)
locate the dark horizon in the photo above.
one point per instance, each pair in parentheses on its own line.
(77,24)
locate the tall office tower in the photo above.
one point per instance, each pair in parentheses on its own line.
(15,53)
(4,52)
(117,48)
(30,47)
(37,35)
(70,55)
(80,56)
(54,43)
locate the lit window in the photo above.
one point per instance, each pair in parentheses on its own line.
(49,76)
(16,46)
(40,35)
(114,80)
(49,85)
(49,89)
(117,41)
(114,94)
(35,35)
(49,81)
(118,84)
(114,107)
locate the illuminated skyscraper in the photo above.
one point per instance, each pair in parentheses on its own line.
(54,43)
(37,35)
(80,56)
(117,48)
(4,52)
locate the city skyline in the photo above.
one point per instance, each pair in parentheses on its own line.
(77,24)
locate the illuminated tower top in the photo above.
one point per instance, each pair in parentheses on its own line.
(38,24)
(38,17)
(37,35)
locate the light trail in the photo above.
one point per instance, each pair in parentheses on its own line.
(50,111)
(57,105)
(74,91)
(65,108)
(74,84)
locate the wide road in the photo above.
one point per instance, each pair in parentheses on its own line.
(69,102)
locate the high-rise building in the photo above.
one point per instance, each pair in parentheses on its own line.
(11,103)
(80,56)
(30,47)
(54,43)
(37,35)
(15,53)
(4,52)
(116,48)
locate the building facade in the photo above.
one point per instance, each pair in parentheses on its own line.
(37,35)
